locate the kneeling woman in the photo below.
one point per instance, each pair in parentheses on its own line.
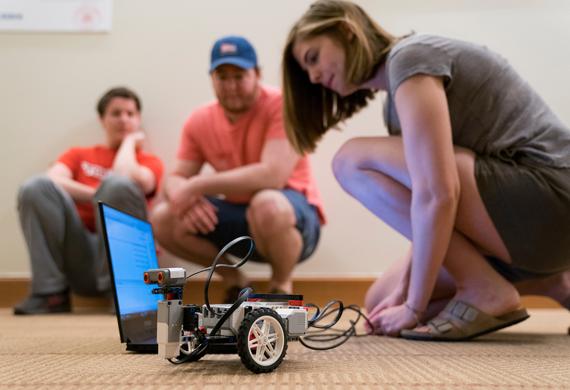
(475,172)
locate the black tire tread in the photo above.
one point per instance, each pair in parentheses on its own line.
(242,340)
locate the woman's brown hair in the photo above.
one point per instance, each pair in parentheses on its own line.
(311,109)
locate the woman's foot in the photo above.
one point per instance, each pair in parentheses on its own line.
(494,300)
(460,321)
(479,307)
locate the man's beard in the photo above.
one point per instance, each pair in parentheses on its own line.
(236,109)
(243,105)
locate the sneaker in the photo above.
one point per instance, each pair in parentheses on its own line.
(44,304)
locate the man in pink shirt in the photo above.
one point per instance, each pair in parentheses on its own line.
(260,186)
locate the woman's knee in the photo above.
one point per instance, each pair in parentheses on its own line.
(345,161)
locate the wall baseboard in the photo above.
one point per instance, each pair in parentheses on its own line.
(315,290)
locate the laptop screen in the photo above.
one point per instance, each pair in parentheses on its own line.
(131,252)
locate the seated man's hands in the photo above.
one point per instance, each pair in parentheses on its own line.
(201,217)
(193,209)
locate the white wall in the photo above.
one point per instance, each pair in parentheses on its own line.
(49,84)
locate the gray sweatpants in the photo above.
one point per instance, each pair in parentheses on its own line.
(63,252)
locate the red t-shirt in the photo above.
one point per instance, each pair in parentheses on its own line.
(89,165)
(209,137)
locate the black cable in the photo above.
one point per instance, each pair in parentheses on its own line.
(243,295)
(325,313)
(215,264)
(200,349)
(325,333)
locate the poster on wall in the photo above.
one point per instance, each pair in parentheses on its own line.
(56,15)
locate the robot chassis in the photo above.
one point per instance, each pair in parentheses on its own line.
(257,326)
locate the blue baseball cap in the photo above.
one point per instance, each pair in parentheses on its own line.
(233,50)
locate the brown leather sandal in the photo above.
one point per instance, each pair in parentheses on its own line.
(460,321)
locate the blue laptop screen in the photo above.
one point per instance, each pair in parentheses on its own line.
(132,252)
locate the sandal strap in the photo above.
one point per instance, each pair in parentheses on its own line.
(457,311)
(439,326)
(462,311)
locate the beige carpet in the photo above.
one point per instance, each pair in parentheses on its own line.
(82,351)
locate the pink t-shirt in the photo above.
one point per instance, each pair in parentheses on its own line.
(209,137)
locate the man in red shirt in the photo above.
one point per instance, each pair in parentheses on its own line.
(260,186)
(57,210)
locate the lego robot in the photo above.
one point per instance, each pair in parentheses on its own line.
(257,326)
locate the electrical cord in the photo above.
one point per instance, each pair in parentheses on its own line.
(190,356)
(215,265)
(243,295)
(327,336)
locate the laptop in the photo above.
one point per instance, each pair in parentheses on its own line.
(129,243)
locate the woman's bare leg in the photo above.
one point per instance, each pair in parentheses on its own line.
(373,170)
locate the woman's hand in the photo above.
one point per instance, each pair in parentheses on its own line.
(396,298)
(392,320)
